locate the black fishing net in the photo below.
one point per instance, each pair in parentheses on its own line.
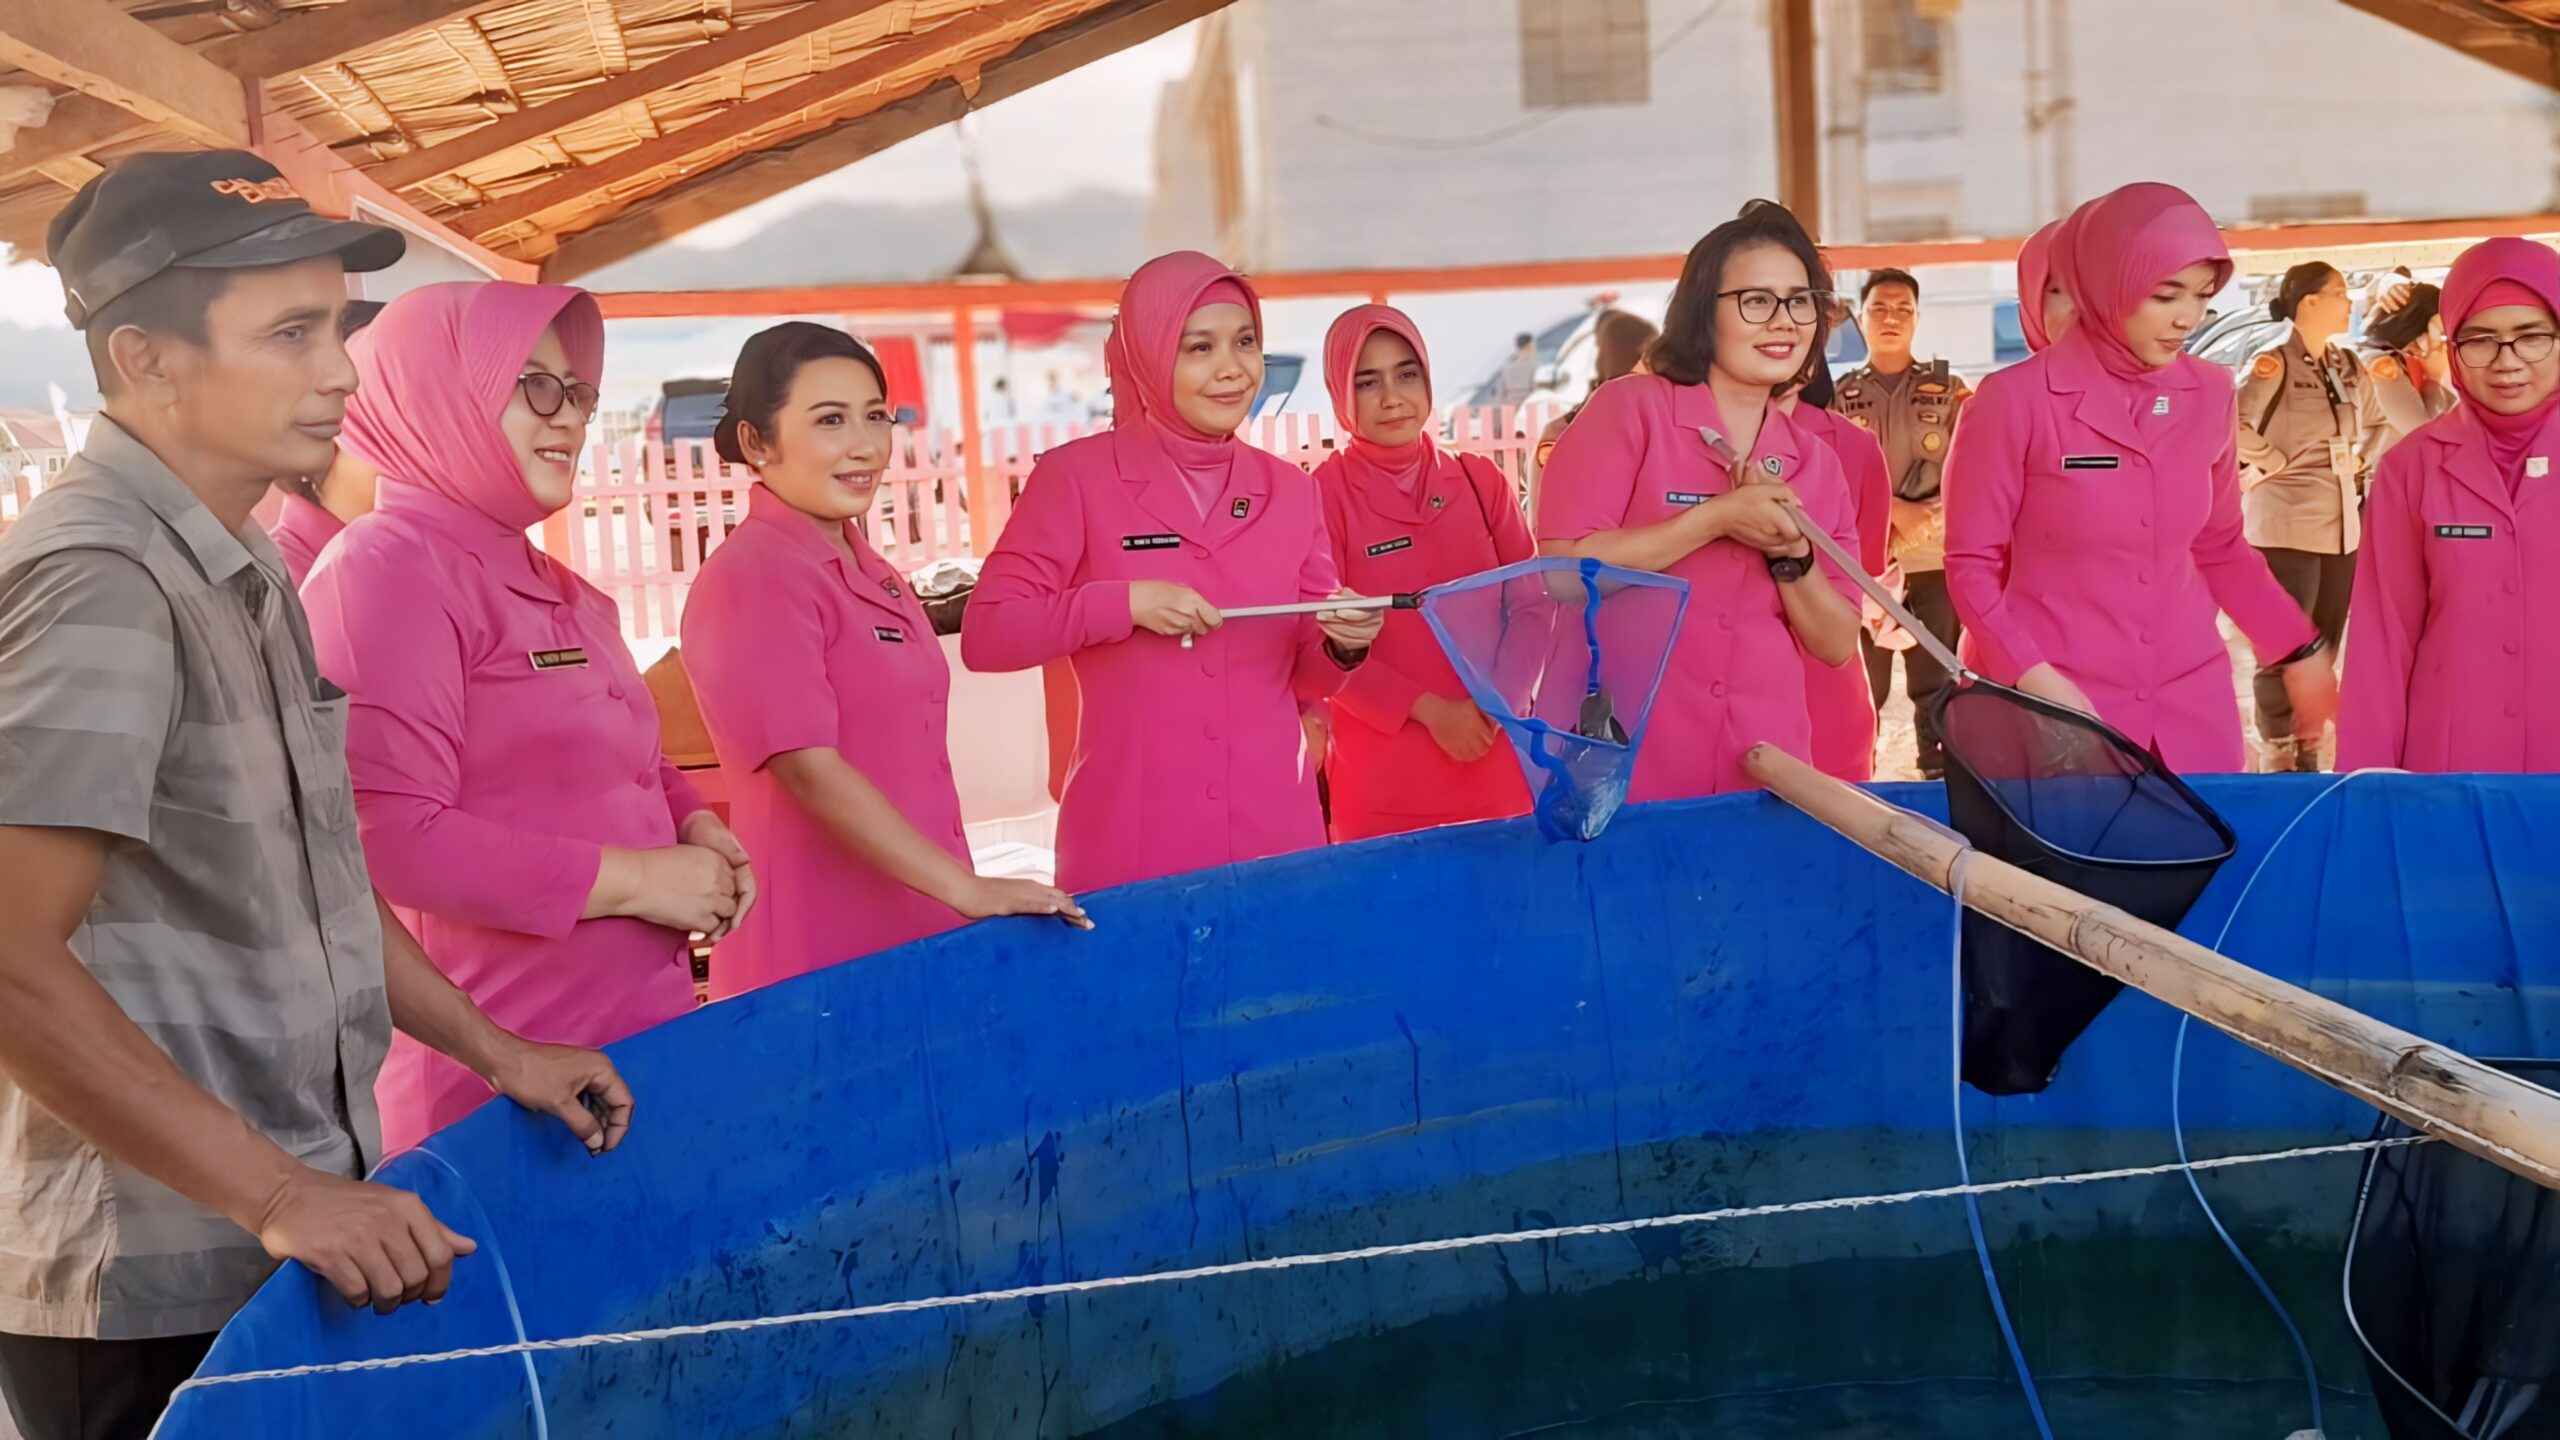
(2061,795)
(2453,1285)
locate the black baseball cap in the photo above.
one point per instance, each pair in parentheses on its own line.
(197,210)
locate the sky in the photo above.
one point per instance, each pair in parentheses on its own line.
(1092,128)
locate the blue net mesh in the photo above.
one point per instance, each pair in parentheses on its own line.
(1566,655)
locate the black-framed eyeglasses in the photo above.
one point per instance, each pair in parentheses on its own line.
(2479,352)
(546,393)
(1758,307)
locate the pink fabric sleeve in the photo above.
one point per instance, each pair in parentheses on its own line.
(1591,477)
(2386,616)
(404,750)
(2237,574)
(1377,693)
(1028,607)
(1985,483)
(1827,502)
(682,799)
(756,650)
(1871,491)
(1316,676)
(1512,542)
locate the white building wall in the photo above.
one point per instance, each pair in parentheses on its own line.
(1392,132)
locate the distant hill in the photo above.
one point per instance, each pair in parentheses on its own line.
(1091,232)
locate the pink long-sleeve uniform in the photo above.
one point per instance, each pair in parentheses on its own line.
(499,735)
(1404,518)
(303,528)
(1842,703)
(790,646)
(2449,666)
(1185,758)
(1636,457)
(2093,504)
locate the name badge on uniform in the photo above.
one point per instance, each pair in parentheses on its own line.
(570,659)
(1685,497)
(889,634)
(2464,532)
(1150,542)
(2342,458)
(1241,508)
(2160,406)
(2536,466)
(2092,462)
(1389,547)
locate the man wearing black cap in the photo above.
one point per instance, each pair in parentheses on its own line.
(197,982)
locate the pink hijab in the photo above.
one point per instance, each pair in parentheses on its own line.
(2503,271)
(1401,466)
(1146,339)
(2114,250)
(2035,276)
(437,368)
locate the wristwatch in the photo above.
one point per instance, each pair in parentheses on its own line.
(1788,569)
(2318,644)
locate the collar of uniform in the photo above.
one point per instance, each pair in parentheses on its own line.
(1693,407)
(506,556)
(217,552)
(2074,369)
(766,508)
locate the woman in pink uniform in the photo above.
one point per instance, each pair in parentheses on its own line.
(1408,748)
(1842,703)
(2449,660)
(515,808)
(2045,311)
(2093,502)
(1125,544)
(823,685)
(1635,483)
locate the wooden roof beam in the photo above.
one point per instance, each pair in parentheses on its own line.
(305,41)
(314,38)
(819,92)
(691,63)
(751,178)
(102,52)
(2485,32)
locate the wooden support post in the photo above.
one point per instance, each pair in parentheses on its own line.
(2488,1112)
(986,506)
(1791,41)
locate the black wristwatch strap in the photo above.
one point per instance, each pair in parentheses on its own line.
(2318,644)
(1787,569)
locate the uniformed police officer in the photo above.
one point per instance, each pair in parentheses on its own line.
(2302,411)
(1910,407)
(2406,369)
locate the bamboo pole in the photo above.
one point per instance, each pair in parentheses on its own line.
(2439,1092)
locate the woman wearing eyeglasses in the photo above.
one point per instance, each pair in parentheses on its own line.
(2449,666)
(515,807)
(1637,482)
(2093,502)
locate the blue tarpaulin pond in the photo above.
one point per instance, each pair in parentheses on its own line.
(1717,1004)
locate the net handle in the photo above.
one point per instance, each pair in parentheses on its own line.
(1319,607)
(1857,573)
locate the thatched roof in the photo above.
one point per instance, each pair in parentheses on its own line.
(567,133)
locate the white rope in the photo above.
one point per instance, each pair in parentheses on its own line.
(1290,1262)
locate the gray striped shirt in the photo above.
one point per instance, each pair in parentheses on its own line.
(157,685)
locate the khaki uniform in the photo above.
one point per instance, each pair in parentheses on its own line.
(1913,415)
(2397,399)
(2302,423)
(2301,418)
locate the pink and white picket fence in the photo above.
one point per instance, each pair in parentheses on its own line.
(644,515)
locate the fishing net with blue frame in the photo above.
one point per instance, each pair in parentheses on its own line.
(1566,655)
